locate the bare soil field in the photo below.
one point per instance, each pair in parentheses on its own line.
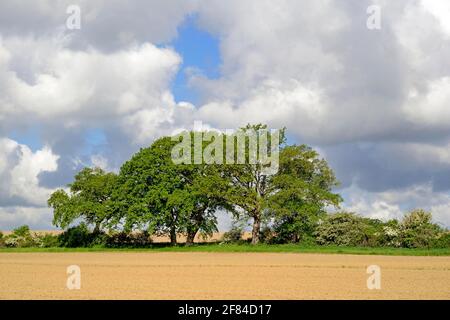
(194,275)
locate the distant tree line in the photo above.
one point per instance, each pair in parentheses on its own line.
(151,195)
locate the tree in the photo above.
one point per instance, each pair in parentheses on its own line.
(157,194)
(300,189)
(248,181)
(89,198)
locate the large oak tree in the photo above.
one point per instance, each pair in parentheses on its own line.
(88,199)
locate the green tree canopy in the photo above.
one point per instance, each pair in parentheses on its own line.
(89,199)
(161,196)
(300,189)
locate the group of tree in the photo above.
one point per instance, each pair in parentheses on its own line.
(414,230)
(154,195)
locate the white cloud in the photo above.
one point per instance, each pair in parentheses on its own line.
(100,161)
(393,204)
(128,87)
(431,108)
(37,218)
(289,104)
(441,10)
(19,170)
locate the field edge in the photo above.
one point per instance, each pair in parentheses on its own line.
(235,248)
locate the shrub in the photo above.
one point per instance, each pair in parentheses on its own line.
(267,235)
(373,232)
(78,236)
(124,240)
(22,231)
(2,240)
(390,234)
(11,242)
(293,228)
(342,229)
(417,230)
(20,237)
(47,240)
(442,241)
(234,235)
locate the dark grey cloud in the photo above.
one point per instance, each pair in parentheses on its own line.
(377,167)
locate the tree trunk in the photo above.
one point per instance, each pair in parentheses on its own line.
(256,228)
(97,228)
(173,236)
(190,237)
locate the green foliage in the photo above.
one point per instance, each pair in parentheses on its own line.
(291,228)
(79,236)
(342,229)
(89,199)
(21,237)
(47,240)
(22,232)
(248,185)
(155,195)
(245,247)
(303,188)
(236,232)
(295,196)
(389,235)
(158,195)
(442,241)
(2,240)
(417,230)
(129,240)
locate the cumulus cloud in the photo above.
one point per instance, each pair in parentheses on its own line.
(393,204)
(375,102)
(79,85)
(368,84)
(38,218)
(107,25)
(19,170)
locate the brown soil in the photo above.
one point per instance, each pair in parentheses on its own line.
(188,275)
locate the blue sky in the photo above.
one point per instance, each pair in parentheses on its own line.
(30,136)
(200,52)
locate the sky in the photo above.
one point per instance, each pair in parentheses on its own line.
(375,102)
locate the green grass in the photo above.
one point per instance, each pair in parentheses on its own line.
(286,248)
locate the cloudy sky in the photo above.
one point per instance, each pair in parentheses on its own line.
(374,102)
